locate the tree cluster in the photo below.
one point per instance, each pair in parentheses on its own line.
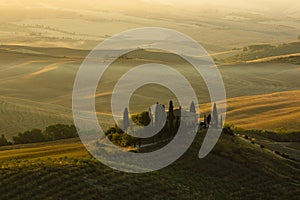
(51,133)
(119,137)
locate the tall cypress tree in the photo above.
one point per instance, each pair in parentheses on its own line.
(158,115)
(208,119)
(125,119)
(215,117)
(163,114)
(171,116)
(205,121)
(192,107)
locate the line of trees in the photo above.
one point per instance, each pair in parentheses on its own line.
(51,133)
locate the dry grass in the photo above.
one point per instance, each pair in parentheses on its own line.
(272,58)
(269,111)
(36,89)
(61,148)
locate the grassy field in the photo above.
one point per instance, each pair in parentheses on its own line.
(234,169)
(269,111)
(43,46)
(265,53)
(61,148)
(36,89)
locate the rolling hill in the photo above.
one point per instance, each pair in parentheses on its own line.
(36,88)
(267,53)
(42,45)
(234,169)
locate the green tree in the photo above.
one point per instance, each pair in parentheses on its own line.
(115,129)
(110,130)
(116,138)
(3,140)
(142,119)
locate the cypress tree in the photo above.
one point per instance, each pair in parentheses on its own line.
(205,121)
(192,107)
(158,115)
(125,119)
(171,116)
(208,119)
(215,116)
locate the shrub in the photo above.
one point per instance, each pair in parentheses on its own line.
(280,130)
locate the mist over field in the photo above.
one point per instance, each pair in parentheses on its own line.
(218,25)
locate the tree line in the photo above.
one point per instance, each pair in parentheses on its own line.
(51,133)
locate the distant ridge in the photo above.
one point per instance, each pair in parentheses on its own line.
(266,53)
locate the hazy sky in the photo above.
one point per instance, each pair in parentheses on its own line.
(253,4)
